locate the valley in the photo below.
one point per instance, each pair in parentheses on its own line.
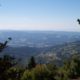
(45,46)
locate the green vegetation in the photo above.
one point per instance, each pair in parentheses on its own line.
(11,70)
(31,63)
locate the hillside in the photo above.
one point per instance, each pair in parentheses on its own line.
(56,54)
(60,53)
(46,46)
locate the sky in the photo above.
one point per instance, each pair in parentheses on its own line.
(58,15)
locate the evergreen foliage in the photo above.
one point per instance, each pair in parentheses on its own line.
(9,70)
(31,63)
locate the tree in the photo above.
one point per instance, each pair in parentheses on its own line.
(78,20)
(70,69)
(6,62)
(31,63)
(75,66)
(42,72)
(3,45)
(14,73)
(27,75)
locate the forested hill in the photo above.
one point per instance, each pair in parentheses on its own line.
(60,52)
(46,46)
(45,55)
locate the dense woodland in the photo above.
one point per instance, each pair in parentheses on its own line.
(11,70)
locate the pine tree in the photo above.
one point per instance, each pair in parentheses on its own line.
(3,45)
(31,63)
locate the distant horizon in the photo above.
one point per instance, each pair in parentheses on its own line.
(37,30)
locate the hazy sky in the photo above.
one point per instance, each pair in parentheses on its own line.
(40,15)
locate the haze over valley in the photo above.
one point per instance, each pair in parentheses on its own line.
(46,46)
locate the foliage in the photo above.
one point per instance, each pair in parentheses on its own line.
(6,62)
(14,73)
(40,72)
(3,45)
(9,69)
(70,70)
(31,63)
(27,75)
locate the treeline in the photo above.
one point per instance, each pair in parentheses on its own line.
(10,70)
